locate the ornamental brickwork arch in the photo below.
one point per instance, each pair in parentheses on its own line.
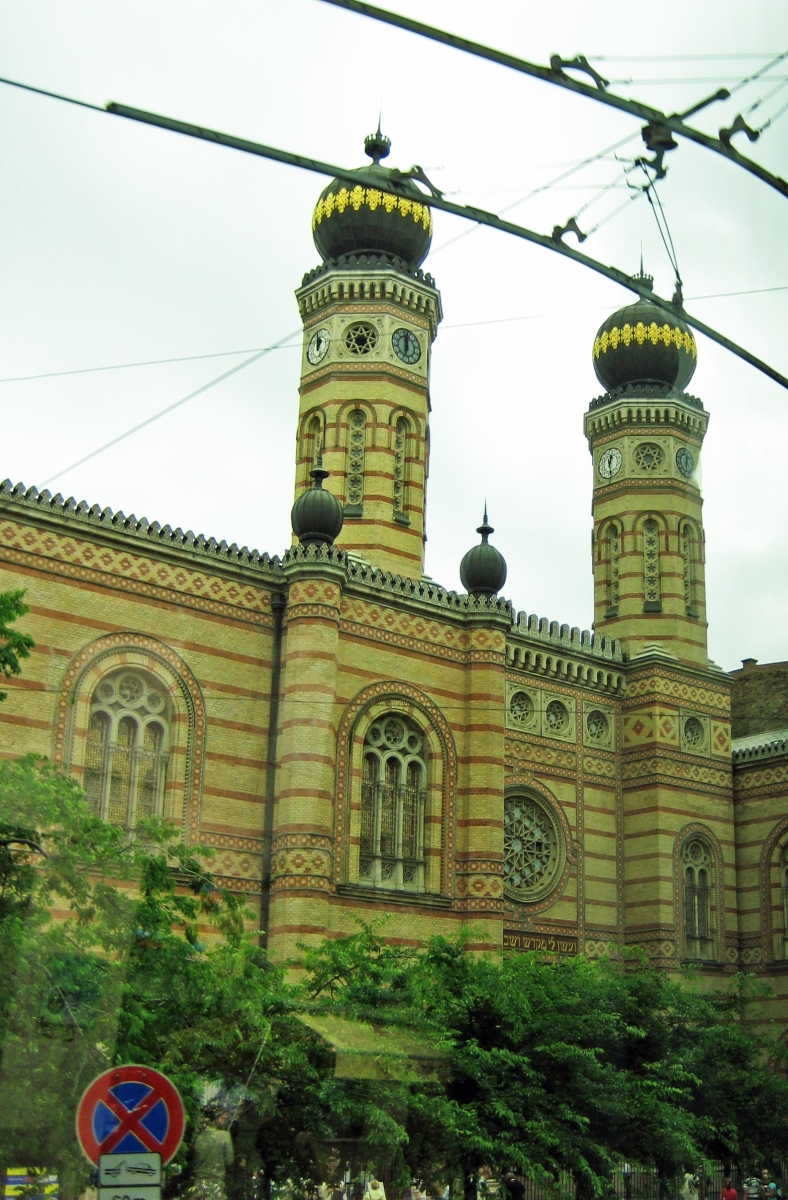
(372,702)
(187,752)
(696,830)
(771,855)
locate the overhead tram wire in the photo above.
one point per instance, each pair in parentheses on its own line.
(654,117)
(151,362)
(362,177)
(171,407)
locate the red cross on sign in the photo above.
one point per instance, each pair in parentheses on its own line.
(129,1110)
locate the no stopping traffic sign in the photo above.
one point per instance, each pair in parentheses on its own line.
(129,1110)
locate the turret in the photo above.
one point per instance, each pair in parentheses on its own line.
(645,435)
(370,316)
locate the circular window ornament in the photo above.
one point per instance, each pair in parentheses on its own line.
(693,732)
(556,717)
(597,725)
(361,338)
(649,456)
(534,851)
(130,689)
(521,708)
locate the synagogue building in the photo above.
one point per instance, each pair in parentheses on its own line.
(353,739)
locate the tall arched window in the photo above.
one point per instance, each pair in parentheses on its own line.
(393,796)
(400,469)
(652,586)
(354,470)
(697,867)
(689,550)
(611,552)
(314,441)
(126,754)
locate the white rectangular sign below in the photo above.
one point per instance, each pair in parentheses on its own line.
(124,1170)
(129,1191)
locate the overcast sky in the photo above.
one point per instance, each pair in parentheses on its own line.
(121,243)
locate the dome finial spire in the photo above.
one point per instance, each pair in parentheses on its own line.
(483,569)
(377,145)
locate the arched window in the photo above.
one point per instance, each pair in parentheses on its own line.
(652,586)
(697,868)
(393,796)
(689,550)
(354,470)
(400,469)
(611,552)
(126,753)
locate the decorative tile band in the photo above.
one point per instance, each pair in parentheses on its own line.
(641,333)
(373,198)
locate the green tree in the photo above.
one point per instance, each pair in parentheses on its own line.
(13,644)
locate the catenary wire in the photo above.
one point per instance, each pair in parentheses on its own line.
(783,287)
(153,362)
(171,407)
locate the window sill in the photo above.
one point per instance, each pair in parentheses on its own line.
(352,510)
(652,606)
(393,895)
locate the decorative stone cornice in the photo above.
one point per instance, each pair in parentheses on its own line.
(744,755)
(644,406)
(369,279)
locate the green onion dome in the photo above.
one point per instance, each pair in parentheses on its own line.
(316,516)
(483,569)
(391,219)
(643,343)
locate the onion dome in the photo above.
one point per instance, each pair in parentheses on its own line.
(483,569)
(391,218)
(316,516)
(644,343)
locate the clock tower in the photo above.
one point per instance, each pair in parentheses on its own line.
(645,435)
(370,316)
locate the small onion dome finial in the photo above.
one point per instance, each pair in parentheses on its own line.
(644,344)
(377,145)
(483,568)
(316,516)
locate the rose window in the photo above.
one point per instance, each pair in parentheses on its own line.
(533,849)
(521,708)
(556,717)
(693,732)
(597,725)
(361,338)
(649,456)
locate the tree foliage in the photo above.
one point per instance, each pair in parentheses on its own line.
(13,644)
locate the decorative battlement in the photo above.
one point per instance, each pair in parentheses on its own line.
(757,753)
(139,528)
(646,391)
(655,407)
(369,279)
(564,653)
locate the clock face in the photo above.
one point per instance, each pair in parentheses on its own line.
(406,346)
(610,463)
(685,462)
(318,346)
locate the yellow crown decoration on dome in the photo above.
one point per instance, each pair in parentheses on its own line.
(372,198)
(640,333)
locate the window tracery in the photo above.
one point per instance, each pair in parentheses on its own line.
(612,543)
(534,851)
(393,799)
(126,750)
(356,449)
(697,866)
(690,556)
(400,466)
(651,567)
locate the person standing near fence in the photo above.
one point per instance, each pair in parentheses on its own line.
(728,1191)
